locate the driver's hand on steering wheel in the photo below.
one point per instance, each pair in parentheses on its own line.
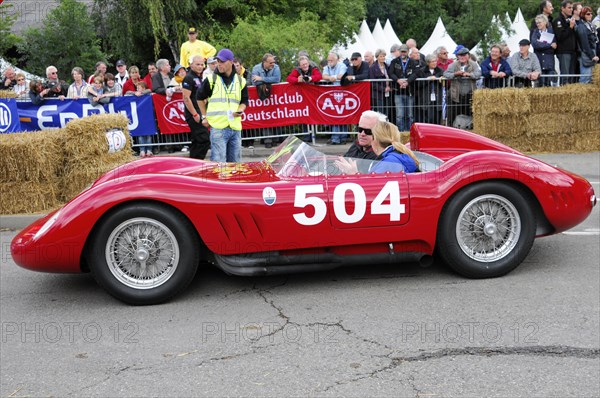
(346,165)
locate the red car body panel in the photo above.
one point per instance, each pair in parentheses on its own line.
(226,202)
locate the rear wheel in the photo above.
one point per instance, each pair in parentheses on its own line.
(486,230)
(144,253)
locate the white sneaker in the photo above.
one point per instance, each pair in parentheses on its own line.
(185,149)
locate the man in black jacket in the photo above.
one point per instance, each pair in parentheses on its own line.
(358,69)
(566,41)
(399,72)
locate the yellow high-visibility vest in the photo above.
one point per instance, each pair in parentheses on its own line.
(224,98)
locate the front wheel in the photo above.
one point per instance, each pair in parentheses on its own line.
(144,253)
(486,230)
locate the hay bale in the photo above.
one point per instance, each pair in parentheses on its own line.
(28,197)
(7,94)
(31,156)
(596,76)
(561,142)
(86,151)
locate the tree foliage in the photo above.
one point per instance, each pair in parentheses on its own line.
(7,20)
(66,39)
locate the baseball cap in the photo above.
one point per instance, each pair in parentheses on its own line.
(458,48)
(120,62)
(403,47)
(177,67)
(524,42)
(462,51)
(355,55)
(211,60)
(225,55)
(192,30)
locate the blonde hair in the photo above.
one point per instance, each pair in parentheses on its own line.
(386,134)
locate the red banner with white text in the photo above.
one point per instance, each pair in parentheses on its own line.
(288,104)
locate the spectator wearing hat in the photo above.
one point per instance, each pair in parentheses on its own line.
(211,66)
(178,75)
(464,74)
(525,66)
(494,69)
(223,100)
(358,70)
(122,75)
(399,71)
(566,41)
(193,46)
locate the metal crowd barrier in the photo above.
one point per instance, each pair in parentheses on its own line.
(430,102)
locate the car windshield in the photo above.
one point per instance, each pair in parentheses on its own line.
(295,158)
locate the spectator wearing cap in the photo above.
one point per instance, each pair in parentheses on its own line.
(122,75)
(222,103)
(525,66)
(178,75)
(464,74)
(193,46)
(399,72)
(494,69)
(358,70)
(211,65)
(333,73)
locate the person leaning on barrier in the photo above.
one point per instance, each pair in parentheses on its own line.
(37,92)
(9,79)
(78,89)
(494,69)
(304,73)
(429,97)
(464,74)
(393,155)
(263,75)
(443,61)
(358,70)
(525,66)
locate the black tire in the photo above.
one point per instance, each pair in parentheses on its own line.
(159,264)
(487,229)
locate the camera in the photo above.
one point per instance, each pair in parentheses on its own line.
(305,78)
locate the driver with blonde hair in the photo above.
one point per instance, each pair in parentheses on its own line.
(392,154)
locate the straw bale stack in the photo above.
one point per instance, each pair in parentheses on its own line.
(541,119)
(30,171)
(7,94)
(86,151)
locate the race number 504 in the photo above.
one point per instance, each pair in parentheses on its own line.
(387,201)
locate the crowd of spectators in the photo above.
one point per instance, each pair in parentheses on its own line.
(409,86)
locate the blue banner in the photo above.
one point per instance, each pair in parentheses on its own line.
(9,116)
(56,113)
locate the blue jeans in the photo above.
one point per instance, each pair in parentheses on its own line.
(404,111)
(225,145)
(338,128)
(144,139)
(585,70)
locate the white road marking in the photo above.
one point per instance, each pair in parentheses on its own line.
(585,232)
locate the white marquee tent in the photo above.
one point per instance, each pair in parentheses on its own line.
(366,38)
(439,37)
(380,38)
(390,34)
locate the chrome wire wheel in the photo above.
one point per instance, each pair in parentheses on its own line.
(142,253)
(488,228)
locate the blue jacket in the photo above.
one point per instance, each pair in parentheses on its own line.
(494,82)
(270,76)
(543,50)
(394,162)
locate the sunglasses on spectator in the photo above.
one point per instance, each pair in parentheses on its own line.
(353,59)
(364,130)
(588,13)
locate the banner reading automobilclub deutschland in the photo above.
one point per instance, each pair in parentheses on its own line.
(288,104)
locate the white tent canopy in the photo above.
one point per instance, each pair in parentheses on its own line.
(390,34)
(28,76)
(439,37)
(380,38)
(521,31)
(366,38)
(354,46)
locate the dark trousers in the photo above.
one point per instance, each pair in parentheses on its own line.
(200,138)
(566,63)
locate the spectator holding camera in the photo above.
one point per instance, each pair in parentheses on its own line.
(9,79)
(304,73)
(37,92)
(58,88)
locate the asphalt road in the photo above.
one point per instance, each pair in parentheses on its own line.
(377,330)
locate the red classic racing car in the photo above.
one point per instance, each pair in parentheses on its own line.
(143,229)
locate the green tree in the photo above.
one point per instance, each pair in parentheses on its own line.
(66,39)
(7,39)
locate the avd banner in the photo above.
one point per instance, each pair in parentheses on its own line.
(56,113)
(288,104)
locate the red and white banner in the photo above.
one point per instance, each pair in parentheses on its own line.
(288,104)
